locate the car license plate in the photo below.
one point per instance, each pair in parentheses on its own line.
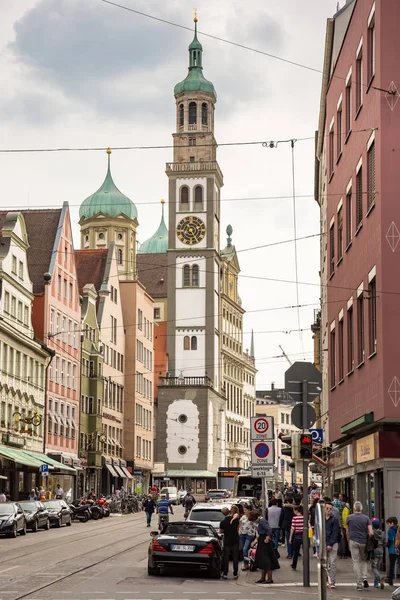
(182,548)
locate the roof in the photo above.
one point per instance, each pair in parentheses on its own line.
(90,267)
(158,243)
(195,80)
(153,273)
(41,226)
(108,200)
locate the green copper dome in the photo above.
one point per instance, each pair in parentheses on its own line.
(195,80)
(108,200)
(158,243)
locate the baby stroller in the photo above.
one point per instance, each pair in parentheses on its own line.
(251,558)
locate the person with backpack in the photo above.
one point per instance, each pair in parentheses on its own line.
(188,502)
(344,544)
(332,536)
(285,523)
(394,550)
(376,557)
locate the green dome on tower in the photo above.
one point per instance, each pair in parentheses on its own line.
(195,80)
(158,243)
(108,200)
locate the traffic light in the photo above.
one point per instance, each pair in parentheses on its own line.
(306,446)
(292,442)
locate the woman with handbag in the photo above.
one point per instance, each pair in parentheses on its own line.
(266,555)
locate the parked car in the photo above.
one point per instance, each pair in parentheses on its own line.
(59,512)
(36,515)
(12,519)
(215,495)
(171,493)
(210,513)
(185,546)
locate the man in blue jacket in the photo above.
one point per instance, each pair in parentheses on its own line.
(332,536)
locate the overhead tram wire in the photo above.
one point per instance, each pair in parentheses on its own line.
(295,242)
(238,45)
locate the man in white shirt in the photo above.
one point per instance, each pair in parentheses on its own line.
(3,497)
(59,492)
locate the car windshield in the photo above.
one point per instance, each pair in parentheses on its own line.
(53,504)
(187,529)
(216,493)
(28,505)
(206,515)
(6,509)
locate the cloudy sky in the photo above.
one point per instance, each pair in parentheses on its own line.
(77,73)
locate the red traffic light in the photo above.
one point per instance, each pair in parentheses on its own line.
(306,439)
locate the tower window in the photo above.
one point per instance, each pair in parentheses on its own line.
(186,276)
(192,141)
(198,194)
(194,59)
(119,256)
(184,194)
(204,114)
(192,113)
(186,342)
(193,343)
(181,115)
(195,276)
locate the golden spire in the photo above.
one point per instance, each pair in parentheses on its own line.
(108,150)
(195,19)
(162,201)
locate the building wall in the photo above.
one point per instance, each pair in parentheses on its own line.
(370,254)
(61,320)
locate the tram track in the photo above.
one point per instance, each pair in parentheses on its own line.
(144,538)
(85,537)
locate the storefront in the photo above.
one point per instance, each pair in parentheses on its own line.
(109,477)
(64,475)
(342,472)
(128,477)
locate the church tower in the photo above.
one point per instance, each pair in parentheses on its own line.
(195,180)
(109,216)
(191,408)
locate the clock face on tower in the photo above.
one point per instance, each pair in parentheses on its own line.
(191,230)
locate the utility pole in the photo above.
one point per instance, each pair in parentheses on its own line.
(306,548)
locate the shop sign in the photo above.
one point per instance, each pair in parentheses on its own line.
(344,473)
(137,473)
(111,417)
(339,458)
(365,448)
(66,460)
(13,440)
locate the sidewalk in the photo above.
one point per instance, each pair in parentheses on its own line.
(287,577)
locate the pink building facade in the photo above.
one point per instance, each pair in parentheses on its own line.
(358,160)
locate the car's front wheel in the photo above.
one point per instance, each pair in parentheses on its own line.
(69,522)
(152,570)
(14,532)
(58,522)
(47,526)
(35,527)
(23,530)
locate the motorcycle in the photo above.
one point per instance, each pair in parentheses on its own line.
(80,512)
(162,521)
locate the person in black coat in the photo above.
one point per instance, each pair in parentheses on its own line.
(285,523)
(266,558)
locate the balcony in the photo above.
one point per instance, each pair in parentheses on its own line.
(185,382)
(180,167)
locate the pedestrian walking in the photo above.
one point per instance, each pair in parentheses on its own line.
(2,497)
(312,512)
(149,507)
(230,528)
(59,492)
(332,537)
(296,534)
(285,523)
(247,533)
(344,551)
(266,555)
(358,528)
(377,554)
(274,515)
(393,550)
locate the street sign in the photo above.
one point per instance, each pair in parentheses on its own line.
(45,469)
(299,372)
(262,454)
(259,471)
(317,435)
(297,416)
(261,428)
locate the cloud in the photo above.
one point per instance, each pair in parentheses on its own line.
(114,63)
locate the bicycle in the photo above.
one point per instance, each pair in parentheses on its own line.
(35,420)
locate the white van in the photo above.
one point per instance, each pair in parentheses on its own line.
(171,493)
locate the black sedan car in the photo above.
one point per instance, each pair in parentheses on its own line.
(12,519)
(185,546)
(59,513)
(36,515)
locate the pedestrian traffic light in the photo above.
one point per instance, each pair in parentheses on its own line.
(306,446)
(292,442)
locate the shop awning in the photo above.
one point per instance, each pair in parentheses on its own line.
(120,472)
(112,470)
(189,473)
(54,464)
(127,474)
(20,457)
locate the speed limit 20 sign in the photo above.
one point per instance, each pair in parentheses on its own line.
(262,428)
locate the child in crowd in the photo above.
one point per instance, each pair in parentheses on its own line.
(377,554)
